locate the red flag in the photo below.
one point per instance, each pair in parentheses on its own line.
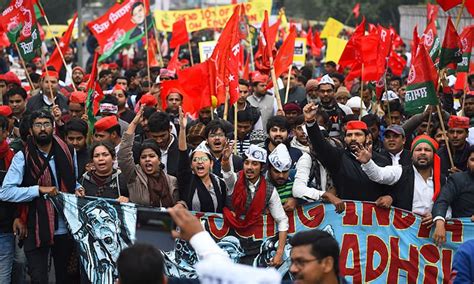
(315,51)
(351,53)
(191,86)
(415,42)
(372,57)
(317,40)
(224,61)
(430,40)
(431,12)
(266,42)
(174,63)
(449,4)
(152,51)
(396,39)
(55,59)
(356,10)
(396,63)
(467,42)
(95,94)
(450,54)
(284,58)
(180,33)
(380,87)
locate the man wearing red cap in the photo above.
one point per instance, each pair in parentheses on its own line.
(458,130)
(123,111)
(65,74)
(262,99)
(415,187)
(77,78)
(349,179)
(77,104)
(49,95)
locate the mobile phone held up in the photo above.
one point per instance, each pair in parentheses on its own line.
(154,226)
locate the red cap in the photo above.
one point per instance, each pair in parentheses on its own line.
(356,125)
(11,77)
(458,122)
(118,87)
(113,65)
(184,62)
(50,73)
(79,68)
(78,97)
(36,59)
(259,77)
(106,123)
(5,111)
(148,100)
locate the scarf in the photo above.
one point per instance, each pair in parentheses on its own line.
(205,199)
(239,200)
(40,213)
(158,187)
(100,182)
(6,154)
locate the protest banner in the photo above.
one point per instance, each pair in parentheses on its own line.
(299,57)
(377,245)
(205,49)
(212,17)
(102,228)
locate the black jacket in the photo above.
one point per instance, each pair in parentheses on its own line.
(458,192)
(402,192)
(113,187)
(7,209)
(36,102)
(350,180)
(459,158)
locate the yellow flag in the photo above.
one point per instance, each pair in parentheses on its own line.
(284,21)
(335,48)
(332,28)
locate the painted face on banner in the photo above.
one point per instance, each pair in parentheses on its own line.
(138,14)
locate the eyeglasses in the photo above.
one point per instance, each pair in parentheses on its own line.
(200,159)
(39,125)
(216,135)
(301,263)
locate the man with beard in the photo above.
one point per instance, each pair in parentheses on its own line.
(252,196)
(49,95)
(123,111)
(65,74)
(351,182)
(300,139)
(76,136)
(296,94)
(458,192)
(77,77)
(261,99)
(77,104)
(415,187)
(458,127)
(45,166)
(278,130)
(336,112)
(281,176)
(216,141)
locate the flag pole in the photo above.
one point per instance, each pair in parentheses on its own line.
(158,47)
(386,91)
(441,121)
(361,91)
(147,46)
(429,122)
(47,74)
(226,103)
(288,84)
(235,128)
(275,84)
(190,52)
(24,67)
(458,18)
(56,43)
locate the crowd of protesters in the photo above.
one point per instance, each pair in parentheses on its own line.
(327,143)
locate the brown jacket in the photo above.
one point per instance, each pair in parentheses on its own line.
(137,180)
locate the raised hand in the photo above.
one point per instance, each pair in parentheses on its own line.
(364,153)
(309,112)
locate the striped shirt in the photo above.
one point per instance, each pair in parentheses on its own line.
(285,190)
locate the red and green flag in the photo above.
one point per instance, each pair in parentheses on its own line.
(122,25)
(467,42)
(422,82)
(94,94)
(451,53)
(19,23)
(431,40)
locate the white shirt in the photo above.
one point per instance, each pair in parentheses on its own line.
(300,188)
(422,194)
(164,154)
(396,158)
(274,204)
